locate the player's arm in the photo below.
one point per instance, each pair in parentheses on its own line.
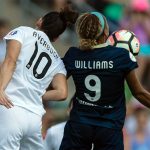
(137,90)
(58,90)
(7,68)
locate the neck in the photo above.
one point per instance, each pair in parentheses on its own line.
(100,45)
(38,28)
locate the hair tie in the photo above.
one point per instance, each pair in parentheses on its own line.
(101,20)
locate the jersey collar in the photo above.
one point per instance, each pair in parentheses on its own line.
(101,45)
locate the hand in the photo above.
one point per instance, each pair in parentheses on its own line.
(4,100)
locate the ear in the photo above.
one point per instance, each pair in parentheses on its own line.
(39,23)
(55,39)
(106,29)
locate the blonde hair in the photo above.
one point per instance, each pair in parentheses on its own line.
(88,28)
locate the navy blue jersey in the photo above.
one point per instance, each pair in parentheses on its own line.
(99,77)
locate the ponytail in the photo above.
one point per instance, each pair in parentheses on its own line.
(55,23)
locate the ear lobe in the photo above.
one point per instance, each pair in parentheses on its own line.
(39,23)
(55,39)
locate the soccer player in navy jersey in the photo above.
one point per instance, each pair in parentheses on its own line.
(99,72)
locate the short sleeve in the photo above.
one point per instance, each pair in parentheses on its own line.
(66,62)
(60,68)
(16,34)
(129,62)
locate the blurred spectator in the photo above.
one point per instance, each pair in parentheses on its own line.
(4,29)
(140,140)
(130,122)
(58,4)
(114,12)
(55,5)
(137,121)
(137,20)
(98,5)
(48,4)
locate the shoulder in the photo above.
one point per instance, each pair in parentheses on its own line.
(127,54)
(18,33)
(21,30)
(120,52)
(71,51)
(25,28)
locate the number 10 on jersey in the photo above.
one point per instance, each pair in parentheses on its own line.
(41,56)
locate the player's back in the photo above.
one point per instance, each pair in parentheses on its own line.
(37,64)
(99,76)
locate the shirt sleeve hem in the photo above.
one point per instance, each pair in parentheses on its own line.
(17,39)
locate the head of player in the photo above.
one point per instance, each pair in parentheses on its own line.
(92,29)
(55,23)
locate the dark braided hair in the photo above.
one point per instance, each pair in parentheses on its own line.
(55,23)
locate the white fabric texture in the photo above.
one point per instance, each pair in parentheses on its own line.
(20,129)
(37,64)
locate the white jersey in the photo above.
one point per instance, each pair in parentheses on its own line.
(37,64)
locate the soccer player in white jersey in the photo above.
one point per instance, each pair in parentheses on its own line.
(30,65)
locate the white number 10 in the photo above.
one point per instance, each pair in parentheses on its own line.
(95,88)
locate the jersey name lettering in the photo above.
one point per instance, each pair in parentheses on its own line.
(94,64)
(44,43)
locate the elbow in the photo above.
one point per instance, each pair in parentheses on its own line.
(10,62)
(63,95)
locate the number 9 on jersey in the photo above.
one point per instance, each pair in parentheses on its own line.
(96,88)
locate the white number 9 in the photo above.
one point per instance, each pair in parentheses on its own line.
(95,88)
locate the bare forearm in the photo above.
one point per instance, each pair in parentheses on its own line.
(144,98)
(58,88)
(137,90)
(6,72)
(53,95)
